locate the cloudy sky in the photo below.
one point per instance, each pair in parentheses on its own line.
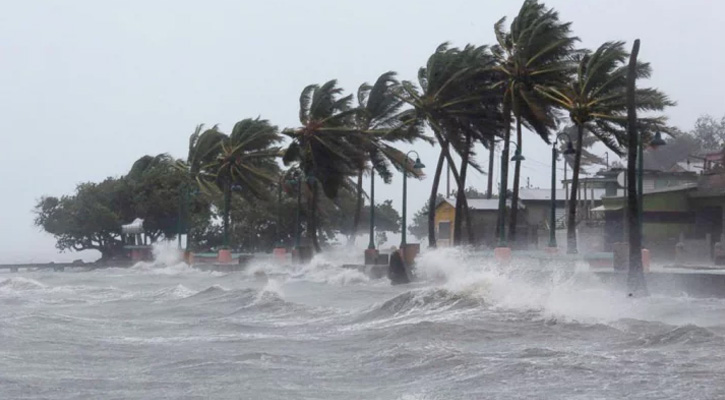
(87,87)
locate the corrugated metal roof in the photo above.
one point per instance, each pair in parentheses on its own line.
(482,204)
(528,194)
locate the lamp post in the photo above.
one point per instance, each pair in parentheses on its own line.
(185,194)
(182,192)
(417,165)
(554,154)
(297,180)
(371,245)
(656,142)
(227,208)
(502,193)
(279,213)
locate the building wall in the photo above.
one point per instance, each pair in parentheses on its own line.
(484,227)
(445,212)
(666,215)
(484,224)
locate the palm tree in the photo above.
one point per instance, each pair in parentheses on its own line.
(534,52)
(324,146)
(450,101)
(245,161)
(595,99)
(379,117)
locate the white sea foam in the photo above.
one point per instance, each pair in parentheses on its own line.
(563,293)
(19,283)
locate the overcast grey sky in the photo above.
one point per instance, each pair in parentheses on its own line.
(87,87)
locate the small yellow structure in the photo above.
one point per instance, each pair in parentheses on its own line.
(484,214)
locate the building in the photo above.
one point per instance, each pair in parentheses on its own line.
(688,216)
(484,213)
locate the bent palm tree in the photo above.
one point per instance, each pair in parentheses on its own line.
(244,160)
(534,52)
(596,102)
(324,146)
(450,102)
(380,119)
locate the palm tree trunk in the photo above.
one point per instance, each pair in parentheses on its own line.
(432,200)
(358,209)
(457,178)
(571,221)
(515,195)
(469,224)
(312,231)
(635,281)
(504,174)
(227,209)
(491,154)
(461,195)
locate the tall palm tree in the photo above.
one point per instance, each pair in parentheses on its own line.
(245,160)
(535,51)
(324,147)
(595,99)
(450,102)
(380,118)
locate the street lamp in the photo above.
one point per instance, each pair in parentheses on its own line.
(502,192)
(656,142)
(278,231)
(227,208)
(296,180)
(417,165)
(371,244)
(554,154)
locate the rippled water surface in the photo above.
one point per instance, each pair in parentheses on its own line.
(465,330)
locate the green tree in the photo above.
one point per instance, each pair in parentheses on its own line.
(159,195)
(710,132)
(90,219)
(595,99)
(326,147)
(534,52)
(418,226)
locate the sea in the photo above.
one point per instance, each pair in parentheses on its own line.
(466,328)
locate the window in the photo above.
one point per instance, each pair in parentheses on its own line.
(444,230)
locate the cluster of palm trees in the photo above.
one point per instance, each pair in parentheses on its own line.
(533,77)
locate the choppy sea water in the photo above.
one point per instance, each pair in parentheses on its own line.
(465,330)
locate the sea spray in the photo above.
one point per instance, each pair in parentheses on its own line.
(562,292)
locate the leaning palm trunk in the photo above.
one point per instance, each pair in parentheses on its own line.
(358,209)
(469,223)
(504,173)
(571,221)
(312,228)
(227,210)
(491,154)
(432,201)
(461,187)
(461,195)
(635,281)
(515,190)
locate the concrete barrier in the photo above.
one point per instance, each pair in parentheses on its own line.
(371,256)
(224,256)
(280,255)
(502,255)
